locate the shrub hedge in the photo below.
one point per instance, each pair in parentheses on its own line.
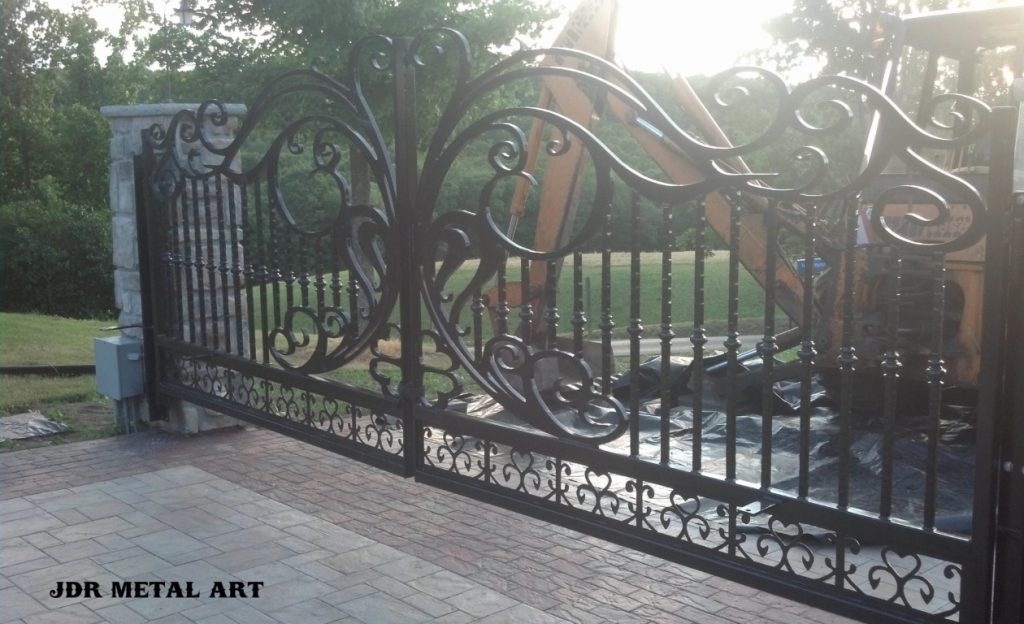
(55,257)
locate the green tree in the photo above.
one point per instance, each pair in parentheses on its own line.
(233,48)
(237,46)
(54,221)
(835,33)
(51,88)
(55,255)
(325,28)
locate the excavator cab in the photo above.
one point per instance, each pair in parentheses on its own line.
(918,60)
(974,52)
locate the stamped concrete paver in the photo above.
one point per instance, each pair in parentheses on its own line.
(443,584)
(27,525)
(94,528)
(522,614)
(383,609)
(71,614)
(76,550)
(17,551)
(248,557)
(332,540)
(482,602)
(309,612)
(18,604)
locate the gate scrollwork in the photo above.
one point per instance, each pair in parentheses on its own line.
(319,217)
(510,366)
(325,124)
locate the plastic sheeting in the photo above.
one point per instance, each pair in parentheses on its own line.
(29,425)
(955,460)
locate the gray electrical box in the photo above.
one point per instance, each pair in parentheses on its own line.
(118,366)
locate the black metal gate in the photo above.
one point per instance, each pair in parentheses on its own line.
(360,289)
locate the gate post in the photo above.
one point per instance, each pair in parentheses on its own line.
(981,585)
(1008,594)
(407,216)
(127,123)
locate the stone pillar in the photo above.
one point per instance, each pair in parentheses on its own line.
(127,124)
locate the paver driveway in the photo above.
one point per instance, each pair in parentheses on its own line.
(333,540)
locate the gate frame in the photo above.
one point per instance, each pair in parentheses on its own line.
(990,579)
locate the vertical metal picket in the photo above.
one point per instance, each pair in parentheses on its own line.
(984,570)
(149,250)
(406,178)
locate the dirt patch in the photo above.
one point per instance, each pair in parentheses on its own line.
(87,420)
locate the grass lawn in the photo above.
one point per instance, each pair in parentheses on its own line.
(20,393)
(716,295)
(27,339)
(87,420)
(716,292)
(716,287)
(30,339)
(34,339)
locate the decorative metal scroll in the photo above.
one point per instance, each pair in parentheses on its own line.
(773,544)
(324,292)
(308,336)
(815,110)
(364,237)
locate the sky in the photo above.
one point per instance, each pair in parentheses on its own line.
(682,36)
(690,36)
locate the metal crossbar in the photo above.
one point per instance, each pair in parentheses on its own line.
(842,459)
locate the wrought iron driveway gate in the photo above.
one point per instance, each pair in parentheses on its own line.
(847,462)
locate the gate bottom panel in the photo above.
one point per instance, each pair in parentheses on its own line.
(865,574)
(347,421)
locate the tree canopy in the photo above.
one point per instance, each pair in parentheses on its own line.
(59,68)
(834,33)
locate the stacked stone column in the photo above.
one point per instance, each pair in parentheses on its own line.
(127,124)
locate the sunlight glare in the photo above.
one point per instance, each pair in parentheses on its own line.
(686,36)
(682,36)
(692,37)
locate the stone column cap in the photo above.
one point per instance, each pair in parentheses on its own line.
(163,109)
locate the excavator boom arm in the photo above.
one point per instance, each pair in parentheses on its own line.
(591,29)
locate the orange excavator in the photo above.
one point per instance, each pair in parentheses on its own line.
(591,29)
